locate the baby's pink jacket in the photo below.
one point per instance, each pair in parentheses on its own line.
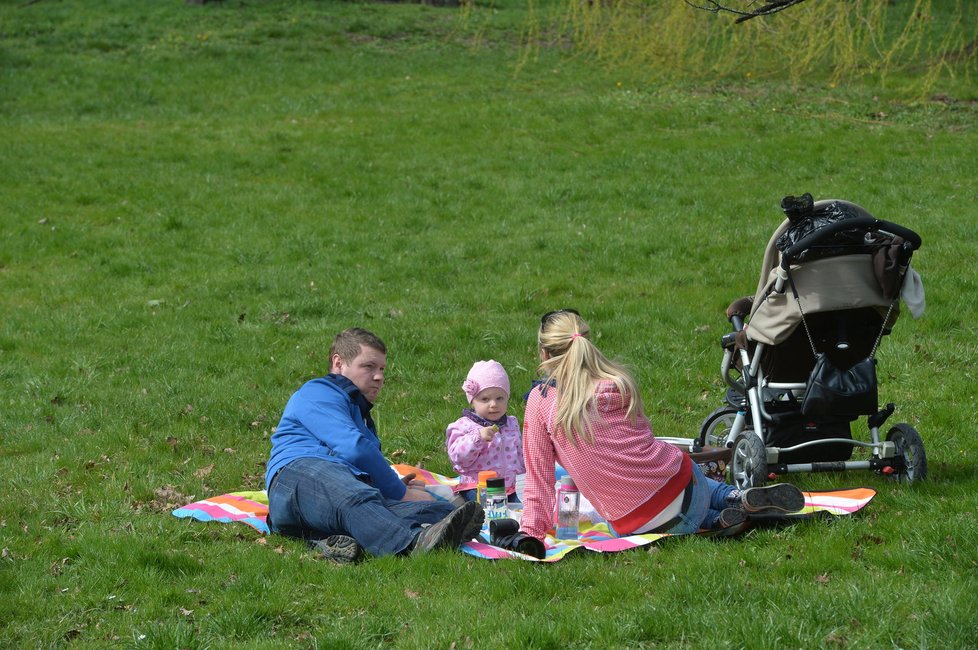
(470,454)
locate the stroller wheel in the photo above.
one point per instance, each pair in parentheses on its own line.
(714,430)
(910,448)
(748,463)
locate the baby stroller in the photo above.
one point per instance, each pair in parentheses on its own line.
(800,362)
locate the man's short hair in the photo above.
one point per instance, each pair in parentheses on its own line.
(347,343)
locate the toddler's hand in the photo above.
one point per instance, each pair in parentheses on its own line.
(488,433)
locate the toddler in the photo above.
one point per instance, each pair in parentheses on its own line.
(485,438)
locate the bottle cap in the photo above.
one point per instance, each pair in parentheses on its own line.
(486,475)
(567,483)
(499,483)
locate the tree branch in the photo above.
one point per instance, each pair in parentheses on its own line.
(772,7)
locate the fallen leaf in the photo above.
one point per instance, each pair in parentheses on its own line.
(57,566)
(204,471)
(822,579)
(166,498)
(411,594)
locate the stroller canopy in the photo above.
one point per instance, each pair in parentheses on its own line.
(850,275)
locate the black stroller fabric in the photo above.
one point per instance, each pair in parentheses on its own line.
(806,218)
(793,428)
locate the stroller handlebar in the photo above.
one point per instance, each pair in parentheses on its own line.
(858,223)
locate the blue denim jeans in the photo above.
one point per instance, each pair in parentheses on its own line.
(313,498)
(709,498)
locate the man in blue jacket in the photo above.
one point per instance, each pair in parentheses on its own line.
(328,481)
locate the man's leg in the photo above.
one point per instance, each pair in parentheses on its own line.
(313,498)
(420,512)
(431,512)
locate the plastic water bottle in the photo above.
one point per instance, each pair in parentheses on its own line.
(495,504)
(568,509)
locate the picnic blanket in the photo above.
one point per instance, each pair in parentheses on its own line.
(251,507)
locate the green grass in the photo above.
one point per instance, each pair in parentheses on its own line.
(193,200)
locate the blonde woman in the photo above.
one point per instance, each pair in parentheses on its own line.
(587,415)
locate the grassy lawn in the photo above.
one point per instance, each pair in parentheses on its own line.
(194,199)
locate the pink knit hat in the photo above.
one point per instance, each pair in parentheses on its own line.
(483,375)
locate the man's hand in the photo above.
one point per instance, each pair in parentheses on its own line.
(417,494)
(410,481)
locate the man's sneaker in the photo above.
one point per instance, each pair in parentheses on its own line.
(781,497)
(338,548)
(450,531)
(473,527)
(730,517)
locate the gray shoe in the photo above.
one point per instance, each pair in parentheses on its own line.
(338,548)
(730,517)
(450,532)
(473,527)
(781,497)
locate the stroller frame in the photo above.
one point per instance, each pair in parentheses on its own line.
(756,404)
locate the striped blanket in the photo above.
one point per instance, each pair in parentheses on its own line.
(251,507)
